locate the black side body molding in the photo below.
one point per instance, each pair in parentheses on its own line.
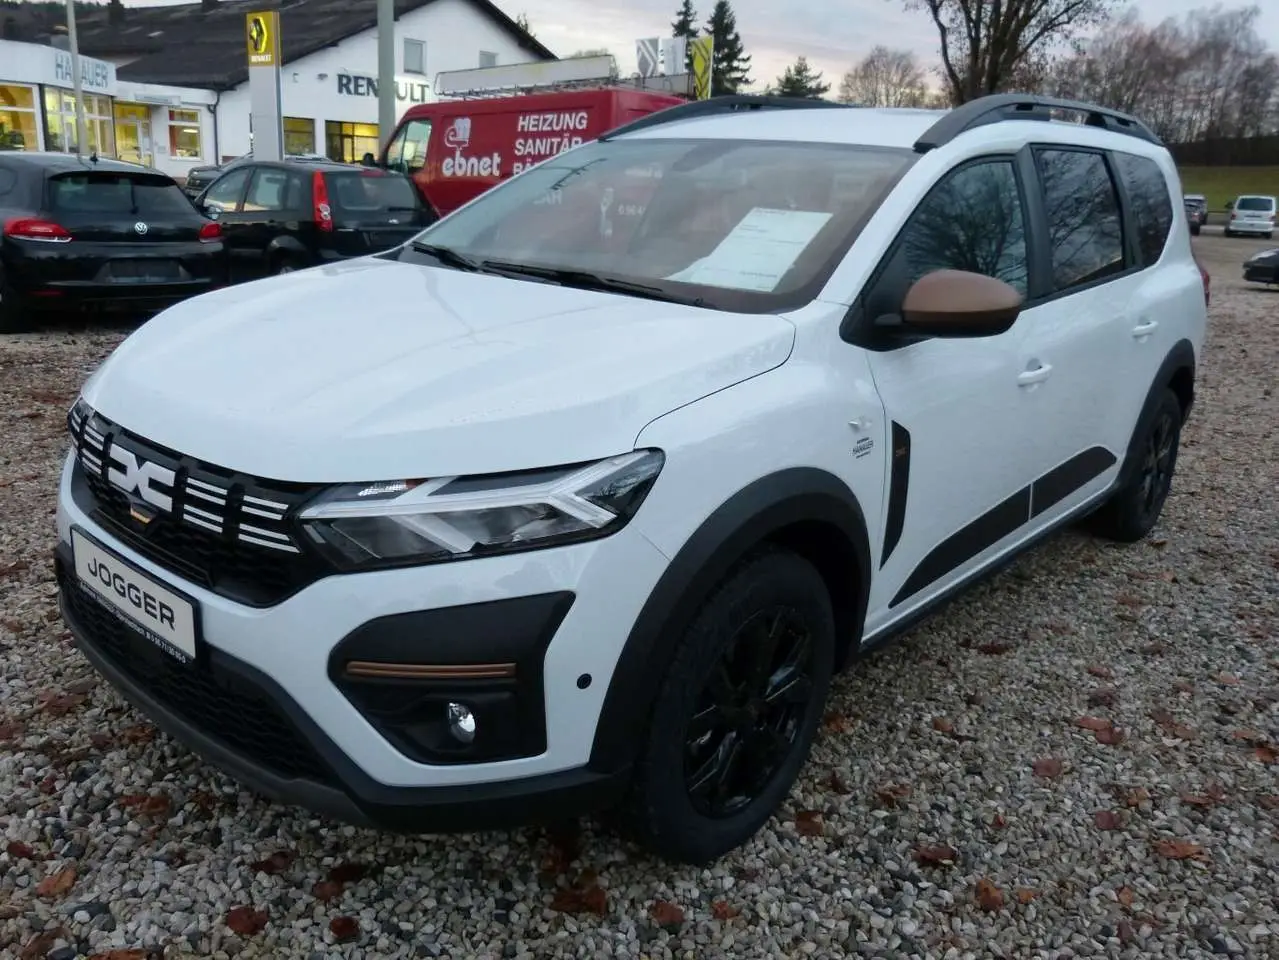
(803,508)
(1064,479)
(898,485)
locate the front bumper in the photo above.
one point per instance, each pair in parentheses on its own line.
(1261,272)
(262,701)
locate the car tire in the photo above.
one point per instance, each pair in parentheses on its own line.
(1194,231)
(284,264)
(693,797)
(1134,509)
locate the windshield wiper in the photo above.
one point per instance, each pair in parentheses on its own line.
(448,256)
(585,280)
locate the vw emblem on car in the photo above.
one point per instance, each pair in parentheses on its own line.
(141,228)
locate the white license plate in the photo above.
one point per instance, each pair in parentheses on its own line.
(163,617)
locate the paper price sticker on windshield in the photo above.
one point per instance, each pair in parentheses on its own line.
(759,250)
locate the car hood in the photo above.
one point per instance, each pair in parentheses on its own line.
(374,370)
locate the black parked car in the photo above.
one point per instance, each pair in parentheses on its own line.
(1262,267)
(198,178)
(87,231)
(278,217)
(1196,211)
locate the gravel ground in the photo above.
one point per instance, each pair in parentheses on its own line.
(1077,759)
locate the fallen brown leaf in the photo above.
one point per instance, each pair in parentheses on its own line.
(994,649)
(60,704)
(327,890)
(1154,649)
(1104,673)
(246,921)
(131,954)
(151,805)
(39,946)
(835,783)
(573,900)
(1094,723)
(1124,931)
(56,884)
(667,915)
(892,794)
(1130,600)
(1266,755)
(723,911)
(1197,800)
(100,740)
(943,725)
(1025,895)
(20,850)
(808,823)
(10,730)
(989,897)
(1179,850)
(935,855)
(1184,686)
(1125,896)
(15,567)
(1228,679)
(138,733)
(1103,697)
(998,822)
(1111,737)
(1137,796)
(1047,767)
(344,928)
(837,722)
(1107,820)
(1254,738)
(277,862)
(1268,801)
(348,872)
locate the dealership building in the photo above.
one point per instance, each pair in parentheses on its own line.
(168,86)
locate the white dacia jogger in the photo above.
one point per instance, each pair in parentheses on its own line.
(578,501)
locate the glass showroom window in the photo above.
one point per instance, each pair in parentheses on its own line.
(18,124)
(184,134)
(299,135)
(59,109)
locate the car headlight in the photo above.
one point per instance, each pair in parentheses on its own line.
(365,525)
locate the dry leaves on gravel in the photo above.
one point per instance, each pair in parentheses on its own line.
(132,954)
(246,921)
(344,929)
(147,804)
(989,897)
(1093,723)
(1179,850)
(60,704)
(277,862)
(1107,820)
(327,890)
(892,795)
(20,850)
(348,872)
(1047,767)
(669,916)
(808,823)
(56,884)
(588,899)
(935,855)
(723,911)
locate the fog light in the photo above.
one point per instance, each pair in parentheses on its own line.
(461,723)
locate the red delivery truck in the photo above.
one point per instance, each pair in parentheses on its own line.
(456,149)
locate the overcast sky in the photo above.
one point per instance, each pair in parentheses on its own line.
(833,34)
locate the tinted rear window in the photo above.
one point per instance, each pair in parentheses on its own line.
(359,192)
(116,193)
(1264,204)
(1151,205)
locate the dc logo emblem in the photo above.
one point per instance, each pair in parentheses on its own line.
(140,227)
(135,476)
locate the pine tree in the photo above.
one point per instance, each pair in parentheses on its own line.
(685,26)
(730,65)
(801,80)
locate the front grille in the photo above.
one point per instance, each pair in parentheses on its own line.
(228,532)
(220,704)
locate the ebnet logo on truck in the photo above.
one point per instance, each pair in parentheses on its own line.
(535,137)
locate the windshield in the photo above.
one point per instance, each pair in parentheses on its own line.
(1264,204)
(119,193)
(750,226)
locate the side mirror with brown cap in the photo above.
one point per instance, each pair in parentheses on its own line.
(956,303)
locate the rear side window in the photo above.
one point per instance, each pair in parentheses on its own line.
(1085,229)
(1151,205)
(361,192)
(268,191)
(123,194)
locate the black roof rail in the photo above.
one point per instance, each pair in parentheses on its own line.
(731,103)
(1023,106)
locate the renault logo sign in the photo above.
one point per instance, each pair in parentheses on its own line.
(262,36)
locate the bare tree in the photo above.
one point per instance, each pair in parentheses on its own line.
(885,78)
(988,46)
(1209,76)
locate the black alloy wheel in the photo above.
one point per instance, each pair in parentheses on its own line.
(749,712)
(1135,508)
(736,712)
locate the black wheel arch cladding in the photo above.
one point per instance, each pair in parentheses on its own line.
(1176,373)
(807,510)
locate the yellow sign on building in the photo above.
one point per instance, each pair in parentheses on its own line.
(703,53)
(262,38)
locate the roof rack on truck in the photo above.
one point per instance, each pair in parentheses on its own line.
(999,107)
(550,76)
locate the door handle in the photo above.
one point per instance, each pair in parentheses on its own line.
(1145,328)
(1032,377)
